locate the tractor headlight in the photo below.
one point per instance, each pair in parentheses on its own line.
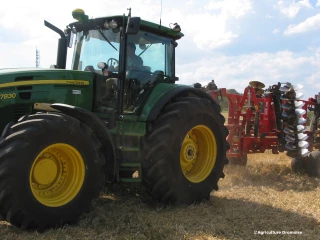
(176,27)
(113,24)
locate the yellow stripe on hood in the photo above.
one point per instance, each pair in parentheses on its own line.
(43,82)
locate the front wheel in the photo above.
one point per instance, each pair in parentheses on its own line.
(184,152)
(50,170)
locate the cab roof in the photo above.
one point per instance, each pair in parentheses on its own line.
(158,29)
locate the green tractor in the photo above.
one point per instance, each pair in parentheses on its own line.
(65,133)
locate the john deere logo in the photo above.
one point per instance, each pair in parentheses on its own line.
(77,82)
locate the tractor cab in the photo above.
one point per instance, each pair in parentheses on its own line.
(127,56)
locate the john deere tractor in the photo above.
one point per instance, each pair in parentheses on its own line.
(65,133)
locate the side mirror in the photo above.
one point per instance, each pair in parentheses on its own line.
(133,25)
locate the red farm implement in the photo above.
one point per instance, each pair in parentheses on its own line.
(275,119)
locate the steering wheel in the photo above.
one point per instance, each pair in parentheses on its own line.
(111,62)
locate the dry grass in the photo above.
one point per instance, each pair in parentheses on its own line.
(263,196)
(225,114)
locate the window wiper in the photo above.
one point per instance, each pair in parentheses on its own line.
(105,38)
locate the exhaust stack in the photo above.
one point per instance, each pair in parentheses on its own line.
(62,46)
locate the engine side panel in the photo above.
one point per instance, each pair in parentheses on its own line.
(21,88)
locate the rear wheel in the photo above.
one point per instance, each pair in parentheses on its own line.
(184,152)
(51,169)
(313,164)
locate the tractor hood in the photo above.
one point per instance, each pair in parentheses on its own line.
(16,77)
(21,90)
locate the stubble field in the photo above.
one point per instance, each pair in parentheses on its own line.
(263,196)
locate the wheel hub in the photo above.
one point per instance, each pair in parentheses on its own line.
(190,153)
(45,171)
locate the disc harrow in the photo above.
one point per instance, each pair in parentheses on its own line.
(275,118)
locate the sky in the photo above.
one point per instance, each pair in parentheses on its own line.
(231,41)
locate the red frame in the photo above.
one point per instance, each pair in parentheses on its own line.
(241,120)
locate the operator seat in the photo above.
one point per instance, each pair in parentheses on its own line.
(111,87)
(89,68)
(105,93)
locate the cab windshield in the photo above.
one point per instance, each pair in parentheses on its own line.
(150,61)
(92,47)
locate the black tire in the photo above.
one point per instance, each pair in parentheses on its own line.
(65,149)
(313,164)
(162,172)
(5,131)
(239,161)
(298,165)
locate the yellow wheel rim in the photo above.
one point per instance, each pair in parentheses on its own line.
(57,175)
(198,153)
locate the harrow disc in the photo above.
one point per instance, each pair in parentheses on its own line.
(296,138)
(297,121)
(294,105)
(298,153)
(292,95)
(256,84)
(294,113)
(297,129)
(299,145)
(294,87)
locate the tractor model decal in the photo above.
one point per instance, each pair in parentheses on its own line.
(43,82)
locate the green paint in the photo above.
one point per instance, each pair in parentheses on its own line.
(47,93)
(27,95)
(159,91)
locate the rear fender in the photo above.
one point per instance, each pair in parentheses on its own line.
(172,93)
